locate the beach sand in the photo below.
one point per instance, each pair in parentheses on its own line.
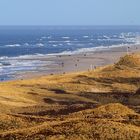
(62,64)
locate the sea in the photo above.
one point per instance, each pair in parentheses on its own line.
(20,46)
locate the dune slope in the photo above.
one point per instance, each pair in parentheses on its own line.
(99,104)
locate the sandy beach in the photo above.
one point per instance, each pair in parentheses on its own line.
(61,64)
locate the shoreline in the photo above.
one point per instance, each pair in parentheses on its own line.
(62,64)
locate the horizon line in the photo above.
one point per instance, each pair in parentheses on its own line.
(74,25)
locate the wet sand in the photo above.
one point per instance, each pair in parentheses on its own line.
(62,64)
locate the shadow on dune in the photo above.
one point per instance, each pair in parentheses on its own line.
(59,91)
(138,92)
(71,106)
(63,110)
(64,102)
(121,80)
(126,98)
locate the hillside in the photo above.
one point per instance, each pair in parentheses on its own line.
(99,104)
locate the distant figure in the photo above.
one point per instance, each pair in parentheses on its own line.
(78,60)
(128,50)
(91,67)
(85,55)
(62,64)
(75,65)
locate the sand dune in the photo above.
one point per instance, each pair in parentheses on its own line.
(99,104)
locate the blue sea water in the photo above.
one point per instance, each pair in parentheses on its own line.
(20,42)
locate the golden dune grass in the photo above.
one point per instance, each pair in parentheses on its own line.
(99,104)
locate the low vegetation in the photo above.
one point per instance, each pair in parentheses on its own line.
(99,105)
